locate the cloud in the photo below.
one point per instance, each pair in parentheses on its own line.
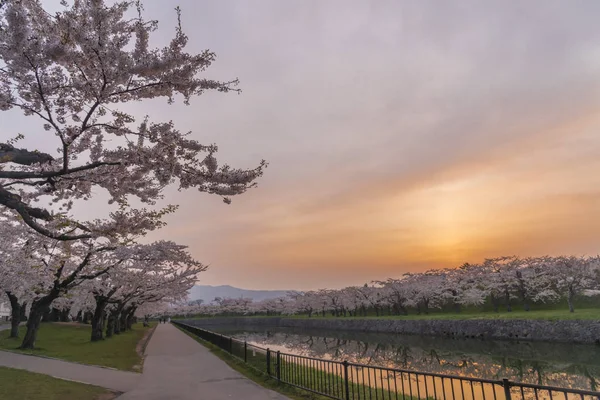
(400,135)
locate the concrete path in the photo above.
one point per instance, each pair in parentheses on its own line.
(119,381)
(176,368)
(179,368)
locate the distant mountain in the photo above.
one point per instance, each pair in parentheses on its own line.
(208,293)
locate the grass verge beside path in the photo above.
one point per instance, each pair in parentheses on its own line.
(71,342)
(17,384)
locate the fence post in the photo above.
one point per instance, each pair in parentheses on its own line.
(346,382)
(245,352)
(278,366)
(268,362)
(506,385)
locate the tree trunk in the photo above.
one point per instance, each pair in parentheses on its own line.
(495,303)
(507,299)
(64,315)
(38,309)
(457,307)
(123,322)
(117,323)
(55,315)
(97,324)
(15,312)
(86,317)
(45,314)
(570,301)
(79,317)
(110,324)
(130,319)
(24,312)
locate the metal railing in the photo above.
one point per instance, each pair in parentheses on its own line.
(352,381)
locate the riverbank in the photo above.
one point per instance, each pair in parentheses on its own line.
(561,331)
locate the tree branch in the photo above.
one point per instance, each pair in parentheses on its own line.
(8,153)
(50,174)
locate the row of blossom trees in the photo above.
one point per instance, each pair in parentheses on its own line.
(72,70)
(503,281)
(109,280)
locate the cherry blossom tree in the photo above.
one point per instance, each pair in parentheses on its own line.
(72,70)
(571,275)
(397,293)
(426,290)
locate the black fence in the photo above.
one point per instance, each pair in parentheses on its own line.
(350,381)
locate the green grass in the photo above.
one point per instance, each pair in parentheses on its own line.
(22,385)
(550,315)
(547,314)
(255,369)
(71,342)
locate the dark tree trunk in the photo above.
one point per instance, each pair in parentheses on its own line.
(45,314)
(15,312)
(130,318)
(495,303)
(64,315)
(79,317)
(570,297)
(110,324)
(456,307)
(23,312)
(98,318)
(117,327)
(38,309)
(55,315)
(507,299)
(123,320)
(86,317)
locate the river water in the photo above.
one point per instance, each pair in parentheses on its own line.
(564,365)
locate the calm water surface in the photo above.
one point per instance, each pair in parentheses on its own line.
(565,365)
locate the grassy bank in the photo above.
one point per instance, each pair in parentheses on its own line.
(71,342)
(548,315)
(255,370)
(17,384)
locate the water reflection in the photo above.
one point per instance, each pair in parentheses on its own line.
(564,365)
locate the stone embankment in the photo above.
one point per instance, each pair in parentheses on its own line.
(573,331)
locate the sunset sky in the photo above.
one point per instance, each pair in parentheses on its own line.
(401,135)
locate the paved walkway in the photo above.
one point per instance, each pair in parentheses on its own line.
(119,381)
(176,368)
(179,368)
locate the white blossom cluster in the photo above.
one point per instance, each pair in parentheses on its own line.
(71,71)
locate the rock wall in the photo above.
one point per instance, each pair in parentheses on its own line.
(574,331)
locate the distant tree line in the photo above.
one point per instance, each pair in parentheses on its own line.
(497,283)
